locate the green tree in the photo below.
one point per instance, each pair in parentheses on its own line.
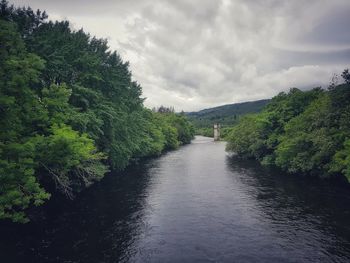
(71,159)
(300,132)
(20,116)
(68,107)
(341,161)
(346,76)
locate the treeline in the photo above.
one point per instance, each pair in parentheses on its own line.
(306,132)
(226,115)
(69,112)
(209,132)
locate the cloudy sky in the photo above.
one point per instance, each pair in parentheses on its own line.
(195,54)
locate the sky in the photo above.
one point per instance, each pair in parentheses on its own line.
(196,54)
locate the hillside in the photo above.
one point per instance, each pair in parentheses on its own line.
(225,114)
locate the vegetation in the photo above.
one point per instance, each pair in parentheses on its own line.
(69,111)
(226,115)
(301,132)
(209,132)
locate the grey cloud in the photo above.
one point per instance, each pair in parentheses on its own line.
(287,59)
(202,53)
(331,30)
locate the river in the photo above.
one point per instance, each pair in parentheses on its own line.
(195,204)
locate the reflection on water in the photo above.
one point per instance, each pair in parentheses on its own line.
(99,226)
(194,204)
(308,215)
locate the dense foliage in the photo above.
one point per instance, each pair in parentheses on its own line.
(304,132)
(69,110)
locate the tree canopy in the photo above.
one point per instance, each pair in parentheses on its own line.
(304,132)
(69,112)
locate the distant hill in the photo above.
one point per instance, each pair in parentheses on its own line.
(226,114)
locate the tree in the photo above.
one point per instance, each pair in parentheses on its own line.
(301,132)
(68,109)
(20,116)
(346,76)
(71,159)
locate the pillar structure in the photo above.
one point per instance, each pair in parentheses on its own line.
(216,132)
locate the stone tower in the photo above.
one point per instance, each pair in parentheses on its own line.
(216,132)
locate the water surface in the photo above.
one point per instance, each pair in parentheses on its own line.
(195,204)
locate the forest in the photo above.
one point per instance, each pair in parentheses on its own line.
(301,132)
(226,115)
(69,112)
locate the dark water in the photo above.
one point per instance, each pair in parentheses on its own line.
(196,204)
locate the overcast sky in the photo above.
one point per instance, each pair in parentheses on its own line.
(195,54)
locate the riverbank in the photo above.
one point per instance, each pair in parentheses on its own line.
(70,112)
(301,132)
(196,203)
